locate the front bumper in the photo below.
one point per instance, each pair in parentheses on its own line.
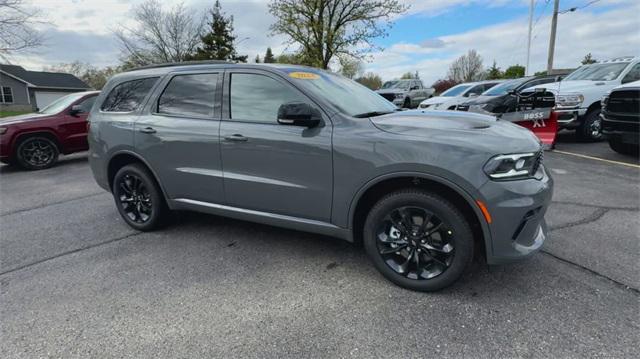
(624,128)
(517,208)
(569,117)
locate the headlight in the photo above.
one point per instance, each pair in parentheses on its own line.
(399,95)
(569,100)
(513,166)
(3,130)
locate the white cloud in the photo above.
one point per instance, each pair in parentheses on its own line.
(605,35)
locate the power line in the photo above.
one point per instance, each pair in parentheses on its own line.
(572,9)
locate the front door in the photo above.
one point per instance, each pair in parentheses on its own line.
(178,136)
(270,167)
(74,125)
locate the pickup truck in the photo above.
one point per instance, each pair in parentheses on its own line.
(578,96)
(405,93)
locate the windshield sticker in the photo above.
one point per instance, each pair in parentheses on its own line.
(304,75)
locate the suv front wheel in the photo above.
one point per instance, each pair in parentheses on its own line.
(418,240)
(139,198)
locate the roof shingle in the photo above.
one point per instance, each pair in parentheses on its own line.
(45,79)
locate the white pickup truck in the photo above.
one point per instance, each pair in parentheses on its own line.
(578,95)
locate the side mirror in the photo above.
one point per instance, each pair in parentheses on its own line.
(75,110)
(298,114)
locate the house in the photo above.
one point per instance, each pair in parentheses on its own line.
(22,90)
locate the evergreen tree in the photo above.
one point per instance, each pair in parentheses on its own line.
(257,60)
(218,42)
(514,72)
(588,59)
(268,57)
(494,72)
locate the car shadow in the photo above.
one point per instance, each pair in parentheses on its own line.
(73,159)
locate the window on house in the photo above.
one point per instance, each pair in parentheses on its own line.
(7,95)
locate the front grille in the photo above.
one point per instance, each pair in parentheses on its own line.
(624,101)
(389,96)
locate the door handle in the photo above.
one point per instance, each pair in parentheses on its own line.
(148,130)
(236,138)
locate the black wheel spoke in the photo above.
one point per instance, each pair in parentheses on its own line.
(418,249)
(134,198)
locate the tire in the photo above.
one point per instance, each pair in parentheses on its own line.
(36,153)
(139,198)
(590,130)
(407,103)
(444,255)
(624,148)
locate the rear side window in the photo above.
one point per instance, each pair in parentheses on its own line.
(127,96)
(189,95)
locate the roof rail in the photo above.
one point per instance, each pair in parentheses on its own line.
(172,64)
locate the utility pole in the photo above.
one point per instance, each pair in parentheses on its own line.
(526,70)
(552,39)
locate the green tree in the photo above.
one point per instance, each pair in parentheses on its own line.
(370,80)
(218,42)
(268,56)
(257,59)
(494,72)
(540,73)
(350,67)
(514,72)
(327,28)
(588,60)
(297,58)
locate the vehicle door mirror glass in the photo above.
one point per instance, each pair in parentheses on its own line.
(75,110)
(298,114)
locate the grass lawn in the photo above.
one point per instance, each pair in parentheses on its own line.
(4,113)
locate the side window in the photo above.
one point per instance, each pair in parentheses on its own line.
(474,90)
(189,95)
(633,74)
(257,98)
(127,96)
(86,104)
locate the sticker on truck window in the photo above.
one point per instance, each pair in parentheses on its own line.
(304,75)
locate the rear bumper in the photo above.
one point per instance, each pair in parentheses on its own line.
(517,208)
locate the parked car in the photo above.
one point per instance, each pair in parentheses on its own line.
(405,93)
(306,149)
(456,95)
(578,96)
(621,118)
(503,98)
(33,141)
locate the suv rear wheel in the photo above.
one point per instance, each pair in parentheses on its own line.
(418,240)
(36,153)
(139,198)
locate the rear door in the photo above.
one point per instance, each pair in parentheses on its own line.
(268,166)
(178,135)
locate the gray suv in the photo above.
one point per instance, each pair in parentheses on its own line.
(309,150)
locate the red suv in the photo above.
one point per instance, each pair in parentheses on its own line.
(34,141)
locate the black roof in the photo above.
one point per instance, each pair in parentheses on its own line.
(45,79)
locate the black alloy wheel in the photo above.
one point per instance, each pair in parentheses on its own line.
(418,240)
(139,198)
(36,153)
(415,243)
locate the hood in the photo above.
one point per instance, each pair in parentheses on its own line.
(437,99)
(568,86)
(22,118)
(482,99)
(467,129)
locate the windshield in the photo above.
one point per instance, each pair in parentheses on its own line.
(455,91)
(348,96)
(61,103)
(503,88)
(403,85)
(597,72)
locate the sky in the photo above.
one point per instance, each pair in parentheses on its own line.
(427,38)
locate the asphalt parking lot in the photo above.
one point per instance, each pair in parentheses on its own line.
(77,282)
